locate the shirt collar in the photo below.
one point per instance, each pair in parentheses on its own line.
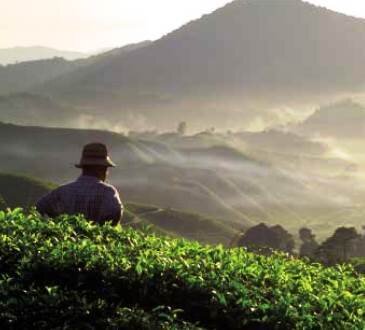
(87,178)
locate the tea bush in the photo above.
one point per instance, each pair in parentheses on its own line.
(70,274)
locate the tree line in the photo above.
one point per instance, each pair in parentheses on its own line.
(345,245)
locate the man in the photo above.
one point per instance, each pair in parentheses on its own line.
(89,194)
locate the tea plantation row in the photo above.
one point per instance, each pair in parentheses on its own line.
(69,274)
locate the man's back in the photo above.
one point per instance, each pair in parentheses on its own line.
(95,199)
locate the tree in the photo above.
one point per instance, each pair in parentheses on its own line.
(181,128)
(338,248)
(286,240)
(360,246)
(264,239)
(309,244)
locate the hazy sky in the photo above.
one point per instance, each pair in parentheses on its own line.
(96,24)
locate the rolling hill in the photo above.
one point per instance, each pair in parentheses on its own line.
(225,68)
(23,191)
(341,120)
(149,172)
(23,76)
(178,223)
(29,109)
(220,181)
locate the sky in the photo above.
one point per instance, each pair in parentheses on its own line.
(94,25)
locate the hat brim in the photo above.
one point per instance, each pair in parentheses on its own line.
(95,162)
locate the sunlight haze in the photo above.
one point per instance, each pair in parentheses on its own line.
(89,25)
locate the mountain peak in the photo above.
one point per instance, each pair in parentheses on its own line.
(246,55)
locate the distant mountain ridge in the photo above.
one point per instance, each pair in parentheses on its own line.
(24,54)
(21,107)
(223,69)
(24,76)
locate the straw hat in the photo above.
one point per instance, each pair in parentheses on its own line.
(95,154)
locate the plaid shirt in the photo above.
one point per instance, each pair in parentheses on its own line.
(95,199)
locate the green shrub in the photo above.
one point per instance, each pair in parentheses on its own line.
(69,274)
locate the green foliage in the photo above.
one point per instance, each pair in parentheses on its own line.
(68,273)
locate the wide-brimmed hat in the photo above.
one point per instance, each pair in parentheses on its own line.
(95,154)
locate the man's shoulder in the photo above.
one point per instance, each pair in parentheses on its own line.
(110,193)
(66,186)
(80,185)
(108,187)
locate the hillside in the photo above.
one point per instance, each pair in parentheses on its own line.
(19,106)
(29,109)
(21,191)
(69,274)
(115,52)
(50,153)
(296,153)
(148,172)
(239,60)
(342,120)
(207,174)
(22,76)
(181,224)
(284,142)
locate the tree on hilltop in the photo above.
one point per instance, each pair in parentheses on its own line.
(263,239)
(309,243)
(338,248)
(181,128)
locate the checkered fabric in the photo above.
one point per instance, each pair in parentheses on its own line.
(95,199)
